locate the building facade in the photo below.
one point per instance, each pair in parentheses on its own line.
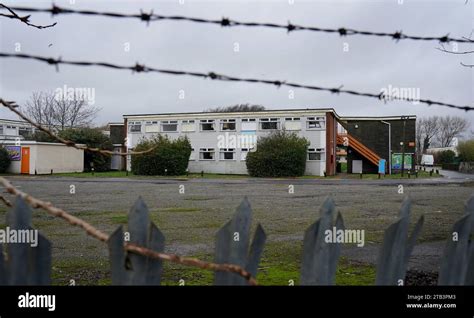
(388,137)
(32,157)
(15,129)
(220,141)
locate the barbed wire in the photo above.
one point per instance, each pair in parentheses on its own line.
(25,19)
(130,247)
(226,22)
(139,68)
(12,106)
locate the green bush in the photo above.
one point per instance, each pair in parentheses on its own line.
(280,154)
(169,157)
(93,138)
(445,156)
(4,160)
(466,150)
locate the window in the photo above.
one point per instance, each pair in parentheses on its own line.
(315,154)
(152,127)
(135,126)
(207,125)
(269,123)
(226,154)
(316,122)
(24,131)
(249,124)
(169,125)
(187,125)
(243,153)
(292,123)
(227,124)
(206,154)
(1,129)
(192,155)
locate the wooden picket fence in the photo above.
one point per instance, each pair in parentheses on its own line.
(23,264)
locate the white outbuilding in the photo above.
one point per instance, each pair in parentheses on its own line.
(32,157)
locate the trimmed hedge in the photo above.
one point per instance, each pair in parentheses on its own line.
(172,155)
(4,160)
(280,154)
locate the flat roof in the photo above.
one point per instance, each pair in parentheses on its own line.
(377,117)
(14,121)
(238,113)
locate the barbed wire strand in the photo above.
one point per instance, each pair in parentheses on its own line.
(139,68)
(25,19)
(130,247)
(6,201)
(226,22)
(13,107)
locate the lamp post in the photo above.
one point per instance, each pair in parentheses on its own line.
(402,143)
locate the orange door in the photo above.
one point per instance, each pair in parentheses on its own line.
(25,160)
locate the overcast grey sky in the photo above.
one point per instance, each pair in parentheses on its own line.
(369,65)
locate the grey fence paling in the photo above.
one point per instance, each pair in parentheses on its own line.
(26,265)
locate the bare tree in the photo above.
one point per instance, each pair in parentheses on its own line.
(40,108)
(237,108)
(426,131)
(47,108)
(451,127)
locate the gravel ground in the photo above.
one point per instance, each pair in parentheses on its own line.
(190,220)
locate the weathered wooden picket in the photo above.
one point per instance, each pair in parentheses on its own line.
(23,264)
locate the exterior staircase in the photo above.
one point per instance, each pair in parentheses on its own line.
(349,141)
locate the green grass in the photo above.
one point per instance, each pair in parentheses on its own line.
(123,174)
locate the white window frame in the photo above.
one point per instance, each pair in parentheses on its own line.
(223,151)
(227,121)
(293,119)
(207,121)
(132,124)
(203,150)
(320,151)
(187,122)
(192,155)
(269,120)
(168,122)
(244,152)
(320,119)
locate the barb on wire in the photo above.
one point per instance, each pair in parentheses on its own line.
(24,19)
(221,77)
(13,107)
(226,22)
(133,248)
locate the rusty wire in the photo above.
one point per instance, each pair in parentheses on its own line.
(130,247)
(13,107)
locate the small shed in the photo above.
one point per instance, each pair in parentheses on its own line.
(32,157)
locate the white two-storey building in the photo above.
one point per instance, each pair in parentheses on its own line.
(221,140)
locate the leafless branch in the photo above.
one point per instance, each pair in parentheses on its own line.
(452,52)
(13,107)
(24,19)
(133,248)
